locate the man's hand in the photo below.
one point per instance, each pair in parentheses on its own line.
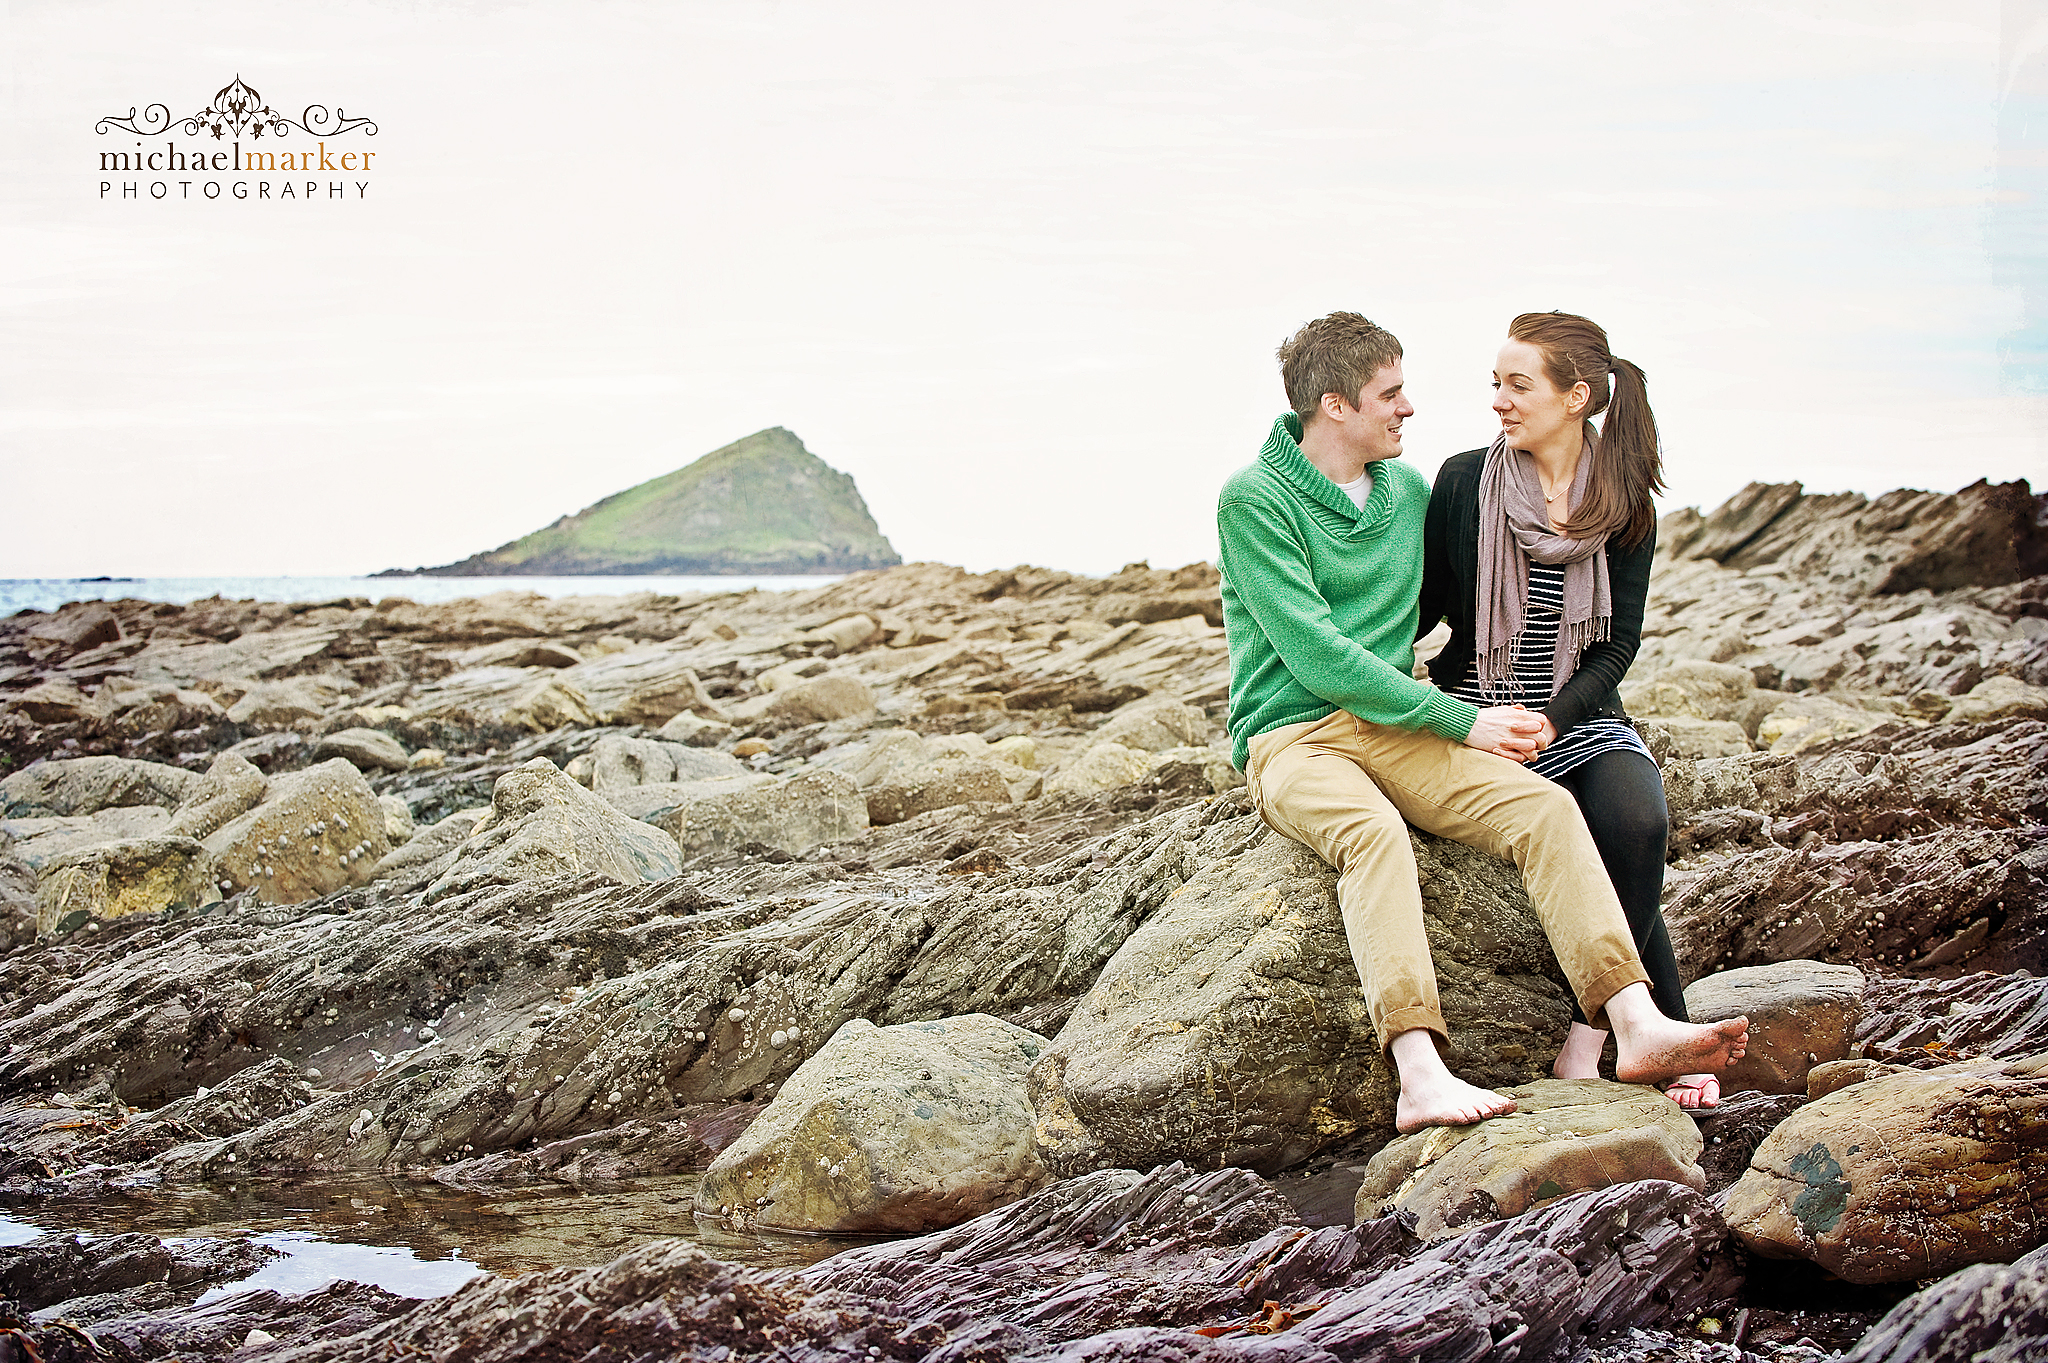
(1508,731)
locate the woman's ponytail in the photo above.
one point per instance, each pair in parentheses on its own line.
(1628,465)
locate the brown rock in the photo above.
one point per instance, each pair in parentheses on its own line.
(1801,1013)
(660,702)
(551,705)
(1835,1075)
(1905,1177)
(51,702)
(1565,1136)
(364,749)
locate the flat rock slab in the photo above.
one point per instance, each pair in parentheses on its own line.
(1801,1014)
(83,785)
(906,1128)
(1565,1136)
(1907,1176)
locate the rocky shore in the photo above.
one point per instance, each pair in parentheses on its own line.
(927,904)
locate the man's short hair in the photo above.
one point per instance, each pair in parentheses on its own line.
(1335,354)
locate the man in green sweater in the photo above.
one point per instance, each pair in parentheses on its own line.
(1342,747)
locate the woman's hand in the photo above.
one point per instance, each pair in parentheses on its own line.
(1508,731)
(1547,735)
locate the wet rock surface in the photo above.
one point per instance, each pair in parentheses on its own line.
(600,852)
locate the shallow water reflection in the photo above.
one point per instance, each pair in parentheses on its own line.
(420,1239)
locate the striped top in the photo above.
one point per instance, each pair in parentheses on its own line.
(1531,685)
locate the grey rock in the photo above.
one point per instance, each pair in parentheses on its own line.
(717,816)
(542,824)
(366,749)
(906,1128)
(115,879)
(85,785)
(919,790)
(231,788)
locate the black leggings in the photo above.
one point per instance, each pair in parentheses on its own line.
(1622,797)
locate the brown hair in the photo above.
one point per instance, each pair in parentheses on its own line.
(1628,466)
(1335,354)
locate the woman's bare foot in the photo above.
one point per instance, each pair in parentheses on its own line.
(1580,1058)
(1653,1049)
(1695,1091)
(1431,1095)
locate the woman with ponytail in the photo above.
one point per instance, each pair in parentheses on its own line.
(1537,550)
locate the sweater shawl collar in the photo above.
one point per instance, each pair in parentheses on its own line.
(1327,503)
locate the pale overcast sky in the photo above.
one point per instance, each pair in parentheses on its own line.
(1019,269)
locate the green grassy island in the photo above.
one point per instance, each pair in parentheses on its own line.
(764,504)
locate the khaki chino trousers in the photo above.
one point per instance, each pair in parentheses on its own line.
(1346,789)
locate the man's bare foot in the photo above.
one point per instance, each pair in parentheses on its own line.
(1580,1058)
(1660,1051)
(1449,1102)
(1431,1095)
(1654,1049)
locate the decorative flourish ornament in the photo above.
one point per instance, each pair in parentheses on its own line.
(237,109)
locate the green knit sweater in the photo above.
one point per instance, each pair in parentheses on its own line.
(1319,597)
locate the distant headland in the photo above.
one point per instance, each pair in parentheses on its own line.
(762,505)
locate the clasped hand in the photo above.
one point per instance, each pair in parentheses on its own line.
(1511,731)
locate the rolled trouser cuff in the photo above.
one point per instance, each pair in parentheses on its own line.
(1408,1019)
(1594,994)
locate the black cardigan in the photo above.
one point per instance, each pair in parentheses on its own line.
(1450,570)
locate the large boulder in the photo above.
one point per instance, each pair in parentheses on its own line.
(366,749)
(1907,1176)
(1565,1136)
(85,785)
(115,879)
(316,831)
(549,705)
(541,825)
(878,755)
(429,852)
(794,815)
(1678,736)
(1230,1027)
(820,699)
(896,1129)
(660,701)
(1801,1014)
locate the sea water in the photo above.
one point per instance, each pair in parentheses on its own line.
(417,1238)
(48,593)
